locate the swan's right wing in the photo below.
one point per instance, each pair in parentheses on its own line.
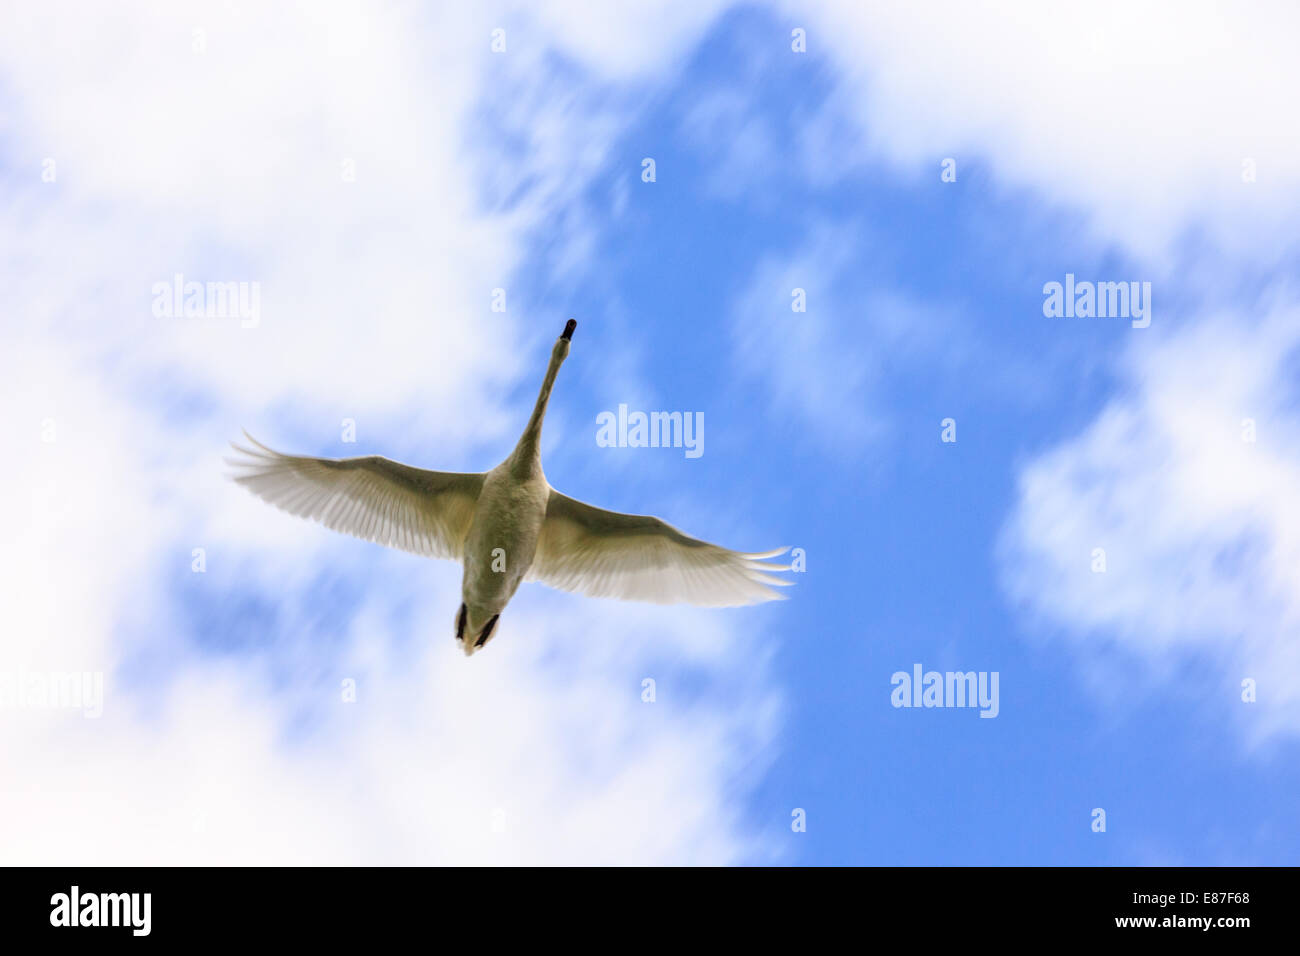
(639,558)
(425,512)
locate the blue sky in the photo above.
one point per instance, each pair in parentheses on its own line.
(774,170)
(901,531)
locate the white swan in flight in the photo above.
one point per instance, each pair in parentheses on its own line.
(508,525)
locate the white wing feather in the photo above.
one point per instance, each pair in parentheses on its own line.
(374,498)
(639,558)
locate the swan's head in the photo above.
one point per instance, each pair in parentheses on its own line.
(474,628)
(561,350)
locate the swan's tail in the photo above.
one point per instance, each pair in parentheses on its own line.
(469,638)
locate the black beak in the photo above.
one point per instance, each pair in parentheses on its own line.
(568,329)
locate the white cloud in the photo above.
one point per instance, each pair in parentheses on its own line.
(1141,115)
(1142,118)
(1200,528)
(226,164)
(626,41)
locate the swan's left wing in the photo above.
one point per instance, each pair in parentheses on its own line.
(640,558)
(375,498)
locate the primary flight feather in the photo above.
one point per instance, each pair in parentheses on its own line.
(508,525)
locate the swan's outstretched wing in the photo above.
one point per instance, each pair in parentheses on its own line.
(640,558)
(426,512)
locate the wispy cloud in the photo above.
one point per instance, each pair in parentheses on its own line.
(1144,120)
(1186,484)
(822,341)
(335,171)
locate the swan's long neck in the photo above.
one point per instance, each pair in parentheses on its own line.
(528,453)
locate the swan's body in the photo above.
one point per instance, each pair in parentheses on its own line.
(508,525)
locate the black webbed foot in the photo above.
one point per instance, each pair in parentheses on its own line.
(487,630)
